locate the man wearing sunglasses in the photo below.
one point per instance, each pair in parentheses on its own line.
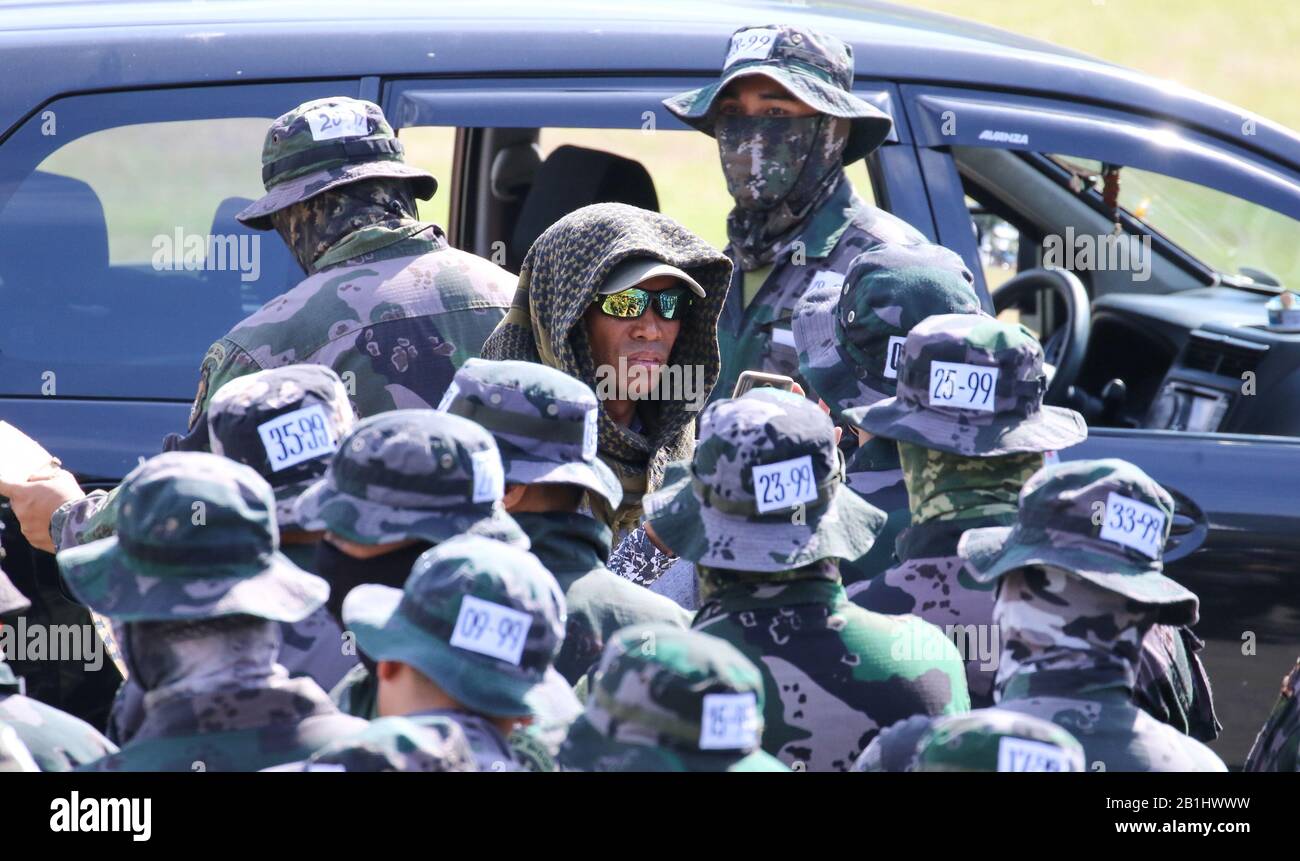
(627,301)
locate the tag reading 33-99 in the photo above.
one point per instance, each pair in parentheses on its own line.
(967,387)
(1133,524)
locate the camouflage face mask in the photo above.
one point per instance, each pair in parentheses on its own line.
(202,656)
(768,161)
(943,486)
(312,227)
(1049,619)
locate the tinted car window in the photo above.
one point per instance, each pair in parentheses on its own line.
(120,257)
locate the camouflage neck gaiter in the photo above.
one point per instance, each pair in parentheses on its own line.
(1050,619)
(186,659)
(779,170)
(943,486)
(715,580)
(348,220)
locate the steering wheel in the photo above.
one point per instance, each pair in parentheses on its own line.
(1067,346)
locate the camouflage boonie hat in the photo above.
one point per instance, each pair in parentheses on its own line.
(997,740)
(480,618)
(765,490)
(283,422)
(1106,521)
(666,699)
(971,385)
(394,744)
(196,539)
(408,474)
(323,144)
(850,337)
(545,423)
(815,67)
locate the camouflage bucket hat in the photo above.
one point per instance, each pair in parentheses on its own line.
(323,144)
(394,744)
(1106,521)
(545,423)
(409,474)
(850,337)
(482,619)
(816,68)
(666,699)
(765,490)
(994,739)
(285,423)
(196,539)
(973,386)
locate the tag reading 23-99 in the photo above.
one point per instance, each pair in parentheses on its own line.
(968,387)
(784,484)
(297,436)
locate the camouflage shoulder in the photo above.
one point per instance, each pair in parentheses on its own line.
(224,361)
(532,750)
(488,279)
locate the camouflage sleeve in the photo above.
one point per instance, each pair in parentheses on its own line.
(894,747)
(1277,746)
(223,362)
(79,521)
(638,560)
(1172,684)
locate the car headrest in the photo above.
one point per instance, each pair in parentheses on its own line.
(53,233)
(570,178)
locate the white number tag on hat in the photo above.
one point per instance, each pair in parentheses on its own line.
(1133,524)
(750,45)
(590,434)
(489,477)
(1021,754)
(894,355)
(730,722)
(337,121)
(490,629)
(968,387)
(784,485)
(301,435)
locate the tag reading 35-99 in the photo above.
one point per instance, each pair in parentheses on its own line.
(967,387)
(297,436)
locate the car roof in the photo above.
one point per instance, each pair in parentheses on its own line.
(57,47)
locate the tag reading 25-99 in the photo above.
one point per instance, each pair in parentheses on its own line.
(297,436)
(968,387)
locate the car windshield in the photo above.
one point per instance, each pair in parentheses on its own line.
(1226,233)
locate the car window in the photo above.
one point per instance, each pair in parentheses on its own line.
(686,171)
(120,257)
(1227,233)
(432,148)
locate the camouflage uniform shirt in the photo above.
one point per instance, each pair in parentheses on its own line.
(1276,746)
(759,336)
(57,740)
(833,673)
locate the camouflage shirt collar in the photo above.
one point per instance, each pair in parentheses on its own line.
(378,242)
(828,223)
(1098,684)
(878,455)
(938,538)
(569,545)
(740,597)
(284,702)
